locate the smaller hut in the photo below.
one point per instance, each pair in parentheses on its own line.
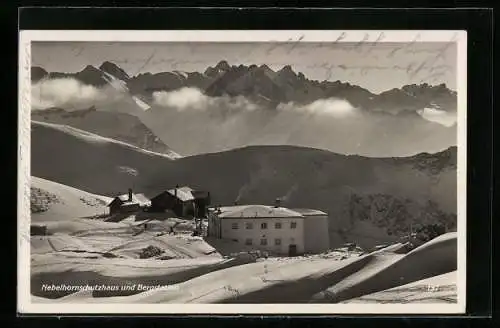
(127,203)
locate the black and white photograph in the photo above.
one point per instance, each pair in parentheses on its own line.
(242,171)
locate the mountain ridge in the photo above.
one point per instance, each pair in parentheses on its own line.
(256,105)
(115,125)
(421,187)
(282,86)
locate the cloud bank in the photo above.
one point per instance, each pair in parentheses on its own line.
(192,99)
(439,116)
(331,107)
(192,123)
(69,93)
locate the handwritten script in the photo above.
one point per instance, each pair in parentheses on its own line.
(423,61)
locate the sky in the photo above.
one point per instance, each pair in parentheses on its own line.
(375,66)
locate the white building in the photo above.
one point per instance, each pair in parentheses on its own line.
(276,229)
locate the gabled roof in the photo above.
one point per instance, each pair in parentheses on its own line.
(309,211)
(136,199)
(257,211)
(183,193)
(200,194)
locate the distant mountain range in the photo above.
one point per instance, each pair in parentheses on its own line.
(264,86)
(398,122)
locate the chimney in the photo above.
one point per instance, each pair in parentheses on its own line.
(175,190)
(129,194)
(277,202)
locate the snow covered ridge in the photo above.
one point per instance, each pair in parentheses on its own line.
(116,125)
(99,139)
(121,86)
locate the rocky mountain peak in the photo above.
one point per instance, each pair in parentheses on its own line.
(287,74)
(115,70)
(284,85)
(221,68)
(265,67)
(425,87)
(38,73)
(287,69)
(91,75)
(223,65)
(90,68)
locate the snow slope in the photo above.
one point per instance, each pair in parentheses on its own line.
(437,289)
(117,239)
(53,201)
(387,270)
(55,269)
(94,138)
(108,253)
(110,124)
(307,279)
(86,161)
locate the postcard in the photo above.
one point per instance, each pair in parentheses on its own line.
(242,172)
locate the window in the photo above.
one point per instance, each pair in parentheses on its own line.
(293,225)
(248,241)
(234,225)
(277,225)
(249,225)
(263,242)
(263,225)
(277,241)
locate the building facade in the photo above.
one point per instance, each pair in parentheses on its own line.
(316,234)
(276,229)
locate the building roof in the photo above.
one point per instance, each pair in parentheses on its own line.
(200,194)
(183,193)
(186,193)
(309,211)
(257,211)
(136,199)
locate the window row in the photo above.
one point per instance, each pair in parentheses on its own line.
(263,225)
(263,241)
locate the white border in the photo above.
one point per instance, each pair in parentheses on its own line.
(26,37)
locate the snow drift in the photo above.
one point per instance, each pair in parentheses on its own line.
(302,280)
